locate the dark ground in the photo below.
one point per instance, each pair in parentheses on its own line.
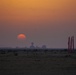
(37,63)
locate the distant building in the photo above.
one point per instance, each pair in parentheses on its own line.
(32,46)
(44,47)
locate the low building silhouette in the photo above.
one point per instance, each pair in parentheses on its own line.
(43,46)
(32,46)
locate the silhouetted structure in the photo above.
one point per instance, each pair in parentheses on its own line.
(32,46)
(44,47)
(71,44)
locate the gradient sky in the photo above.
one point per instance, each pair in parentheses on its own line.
(48,22)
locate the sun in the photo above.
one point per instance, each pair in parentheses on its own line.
(21,36)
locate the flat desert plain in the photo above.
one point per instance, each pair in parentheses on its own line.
(37,63)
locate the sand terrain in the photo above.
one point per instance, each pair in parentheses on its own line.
(37,63)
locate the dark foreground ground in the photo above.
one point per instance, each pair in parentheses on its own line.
(37,63)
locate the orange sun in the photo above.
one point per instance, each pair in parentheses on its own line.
(21,36)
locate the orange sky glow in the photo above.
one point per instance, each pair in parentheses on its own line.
(36,10)
(43,21)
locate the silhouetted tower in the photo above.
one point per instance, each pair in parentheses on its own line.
(32,46)
(71,44)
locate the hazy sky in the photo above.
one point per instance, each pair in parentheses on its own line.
(48,22)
